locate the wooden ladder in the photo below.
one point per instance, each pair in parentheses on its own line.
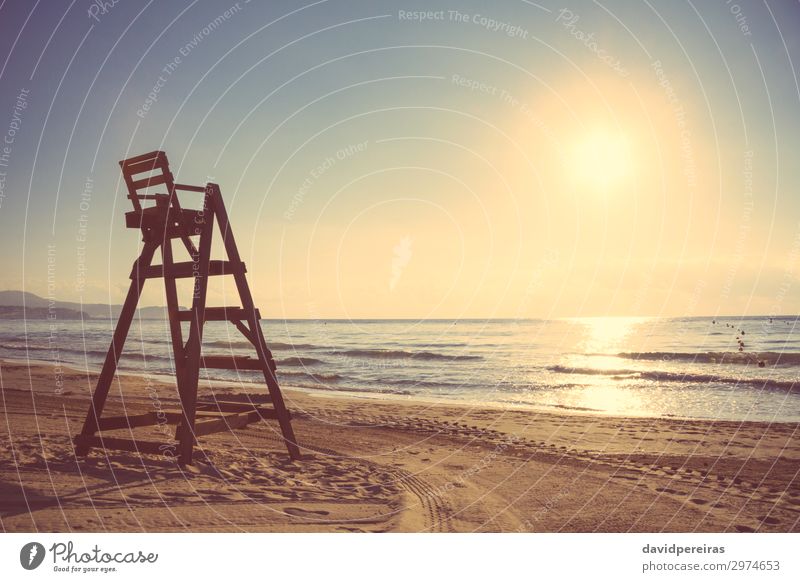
(161,220)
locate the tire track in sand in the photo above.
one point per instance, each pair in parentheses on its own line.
(437,514)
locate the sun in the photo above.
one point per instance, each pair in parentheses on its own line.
(601,160)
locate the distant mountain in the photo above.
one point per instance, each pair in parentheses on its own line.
(19,312)
(72,310)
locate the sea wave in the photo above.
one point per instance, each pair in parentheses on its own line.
(238,344)
(17,346)
(437,384)
(764,383)
(299,362)
(285,346)
(83,353)
(351,389)
(439,345)
(403,354)
(292,375)
(229,344)
(769,358)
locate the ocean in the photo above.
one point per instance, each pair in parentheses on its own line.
(663,367)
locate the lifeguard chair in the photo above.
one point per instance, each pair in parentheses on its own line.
(161,220)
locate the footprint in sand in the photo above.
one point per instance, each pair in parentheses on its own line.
(627,477)
(744,529)
(297,512)
(665,490)
(698,501)
(769,520)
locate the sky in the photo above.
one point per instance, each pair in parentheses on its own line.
(417,159)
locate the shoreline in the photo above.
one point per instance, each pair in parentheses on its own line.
(374,464)
(367,395)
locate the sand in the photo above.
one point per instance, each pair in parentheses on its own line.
(376,465)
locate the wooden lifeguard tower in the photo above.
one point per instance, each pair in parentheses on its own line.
(161,220)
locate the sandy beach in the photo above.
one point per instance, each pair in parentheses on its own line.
(389,465)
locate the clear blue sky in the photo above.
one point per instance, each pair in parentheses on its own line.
(516,158)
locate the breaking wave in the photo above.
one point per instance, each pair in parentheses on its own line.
(785,385)
(769,358)
(403,354)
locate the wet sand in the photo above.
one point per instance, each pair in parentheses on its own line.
(388,465)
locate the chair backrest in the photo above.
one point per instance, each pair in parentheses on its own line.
(144,172)
(158,214)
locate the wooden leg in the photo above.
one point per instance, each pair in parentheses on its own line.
(257,335)
(176,333)
(175,330)
(273,387)
(115,350)
(191,375)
